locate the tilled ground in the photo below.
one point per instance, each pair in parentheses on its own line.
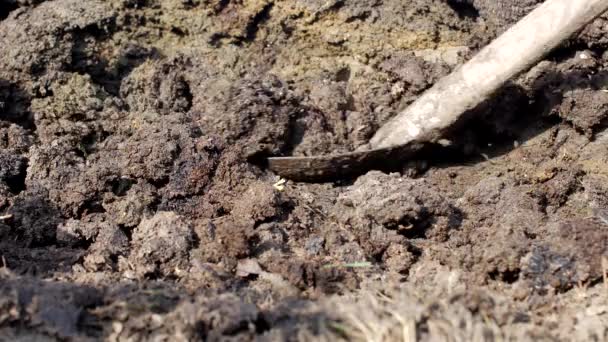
(135,204)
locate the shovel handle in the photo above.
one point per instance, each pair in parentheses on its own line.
(522,46)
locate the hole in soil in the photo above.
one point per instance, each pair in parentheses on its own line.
(127,231)
(221,4)
(159,183)
(261,325)
(288,30)
(178,31)
(343,75)
(464,9)
(16,184)
(221,211)
(336,6)
(413,228)
(7,8)
(114,259)
(16,105)
(416,251)
(83,244)
(135,3)
(121,186)
(86,145)
(89,207)
(509,277)
(530,235)
(184,95)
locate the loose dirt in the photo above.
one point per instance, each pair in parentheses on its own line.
(135,203)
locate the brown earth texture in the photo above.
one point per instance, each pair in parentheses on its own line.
(135,204)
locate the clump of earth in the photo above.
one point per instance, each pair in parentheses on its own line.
(135,203)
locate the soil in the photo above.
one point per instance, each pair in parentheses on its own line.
(135,204)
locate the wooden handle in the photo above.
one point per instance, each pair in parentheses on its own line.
(523,45)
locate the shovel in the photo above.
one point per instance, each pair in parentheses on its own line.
(427,119)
